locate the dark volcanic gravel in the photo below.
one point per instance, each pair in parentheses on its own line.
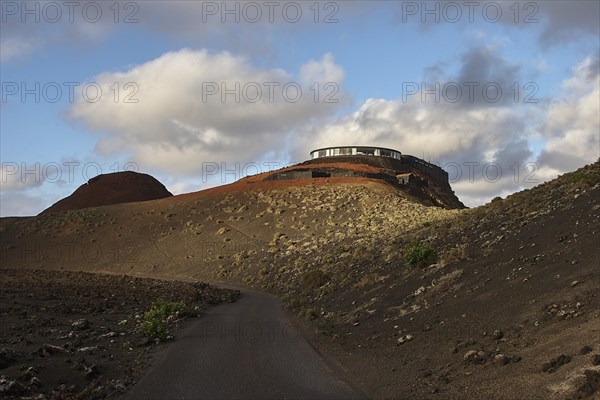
(79,335)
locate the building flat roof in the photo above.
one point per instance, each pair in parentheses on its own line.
(358,147)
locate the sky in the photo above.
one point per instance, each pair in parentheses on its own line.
(503,95)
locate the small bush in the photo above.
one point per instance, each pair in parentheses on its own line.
(455,254)
(155,320)
(314,279)
(340,249)
(419,254)
(585,178)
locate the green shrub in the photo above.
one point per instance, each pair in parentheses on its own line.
(155,319)
(419,254)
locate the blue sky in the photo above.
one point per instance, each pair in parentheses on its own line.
(366,58)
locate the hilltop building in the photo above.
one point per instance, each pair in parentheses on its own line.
(355,151)
(417,177)
(406,163)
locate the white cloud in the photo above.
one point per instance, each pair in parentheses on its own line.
(15,47)
(199,107)
(174,130)
(450,136)
(325,70)
(13,204)
(476,141)
(21,176)
(572,127)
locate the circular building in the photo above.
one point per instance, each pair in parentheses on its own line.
(355,151)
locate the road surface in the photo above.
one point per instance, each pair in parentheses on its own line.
(244,350)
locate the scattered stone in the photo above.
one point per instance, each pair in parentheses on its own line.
(575,283)
(477,357)
(420,290)
(405,339)
(498,334)
(35,381)
(501,359)
(51,349)
(28,374)
(557,362)
(11,388)
(589,385)
(80,324)
(470,355)
(88,348)
(596,359)
(585,350)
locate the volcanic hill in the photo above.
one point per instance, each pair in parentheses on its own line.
(115,188)
(507,307)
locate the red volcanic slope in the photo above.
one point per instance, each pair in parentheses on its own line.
(115,188)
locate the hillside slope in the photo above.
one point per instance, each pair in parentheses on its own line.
(512,298)
(511,310)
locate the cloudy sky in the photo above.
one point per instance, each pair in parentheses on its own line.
(503,95)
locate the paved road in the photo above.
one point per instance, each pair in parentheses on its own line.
(244,350)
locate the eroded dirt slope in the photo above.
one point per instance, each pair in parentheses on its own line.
(509,311)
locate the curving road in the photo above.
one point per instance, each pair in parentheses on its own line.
(244,350)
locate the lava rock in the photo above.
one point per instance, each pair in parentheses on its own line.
(557,362)
(501,359)
(81,324)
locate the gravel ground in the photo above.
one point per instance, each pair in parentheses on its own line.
(79,335)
